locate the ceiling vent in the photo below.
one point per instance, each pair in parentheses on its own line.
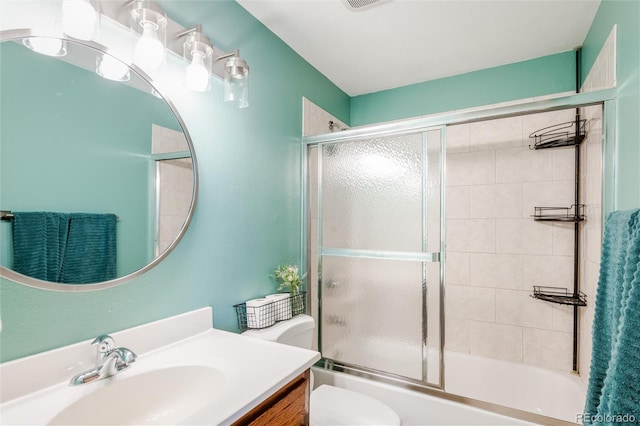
(360,5)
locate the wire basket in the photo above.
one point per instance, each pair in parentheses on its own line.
(559,295)
(575,213)
(263,313)
(563,134)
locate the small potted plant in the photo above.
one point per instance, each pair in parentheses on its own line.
(287,276)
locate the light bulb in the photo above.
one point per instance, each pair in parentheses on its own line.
(197,75)
(112,69)
(149,53)
(46,45)
(79,19)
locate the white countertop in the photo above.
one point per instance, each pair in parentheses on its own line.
(252,370)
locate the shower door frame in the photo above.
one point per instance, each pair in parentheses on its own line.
(606,98)
(424,256)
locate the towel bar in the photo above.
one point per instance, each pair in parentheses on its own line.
(8,215)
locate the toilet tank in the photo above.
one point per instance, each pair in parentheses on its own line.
(297,331)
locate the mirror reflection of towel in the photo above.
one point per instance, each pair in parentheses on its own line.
(75,248)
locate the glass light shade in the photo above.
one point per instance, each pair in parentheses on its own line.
(149,21)
(236,81)
(111,68)
(49,46)
(197,75)
(80,19)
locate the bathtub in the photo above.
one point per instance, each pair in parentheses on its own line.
(536,390)
(550,393)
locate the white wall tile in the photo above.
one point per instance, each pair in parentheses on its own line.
(165,140)
(548,271)
(593,238)
(547,194)
(564,163)
(496,201)
(496,270)
(495,134)
(457,268)
(496,341)
(516,307)
(457,335)
(593,168)
(457,198)
(549,349)
(315,120)
(524,165)
(458,139)
(471,235)
(523,236)
(563,239)
(472,168)
(465,302)
(585,343)
(563,318)
(603,71)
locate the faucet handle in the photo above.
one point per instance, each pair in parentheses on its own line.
(105,345)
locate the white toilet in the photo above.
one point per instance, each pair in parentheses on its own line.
(329,405)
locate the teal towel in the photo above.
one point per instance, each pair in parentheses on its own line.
(39,244)
(614,379)
(90,255)
(77,248)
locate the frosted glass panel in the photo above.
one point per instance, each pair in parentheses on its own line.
(372,194)
(372,314)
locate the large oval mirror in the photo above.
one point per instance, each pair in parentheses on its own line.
(97,177)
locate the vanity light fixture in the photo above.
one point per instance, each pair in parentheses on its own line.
(150,21)
(111,68)
(50,46)
(236,79)
(198,51)
(80,18)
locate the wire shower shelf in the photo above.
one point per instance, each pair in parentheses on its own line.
(575,213)
(559,295)
(563,134)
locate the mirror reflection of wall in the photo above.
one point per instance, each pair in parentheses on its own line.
(174,184)
(89,145)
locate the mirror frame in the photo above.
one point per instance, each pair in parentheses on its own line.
(10,35)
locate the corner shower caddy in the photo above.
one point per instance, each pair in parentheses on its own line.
(566,134)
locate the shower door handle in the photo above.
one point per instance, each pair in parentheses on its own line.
(331,284)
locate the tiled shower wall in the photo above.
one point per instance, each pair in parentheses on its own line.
(496,252)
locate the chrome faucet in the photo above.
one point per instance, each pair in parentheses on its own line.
(109,361)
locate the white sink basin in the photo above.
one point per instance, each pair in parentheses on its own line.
(164,396)
(186,373)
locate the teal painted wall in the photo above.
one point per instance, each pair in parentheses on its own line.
(69,168)
(247,219)
(626,15)
(535,77)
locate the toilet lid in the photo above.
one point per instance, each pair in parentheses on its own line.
(330,405)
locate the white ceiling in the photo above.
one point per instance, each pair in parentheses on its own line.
(401,42)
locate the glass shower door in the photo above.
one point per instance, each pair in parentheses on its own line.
(379,208)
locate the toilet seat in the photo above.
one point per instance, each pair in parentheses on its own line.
(332,406)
